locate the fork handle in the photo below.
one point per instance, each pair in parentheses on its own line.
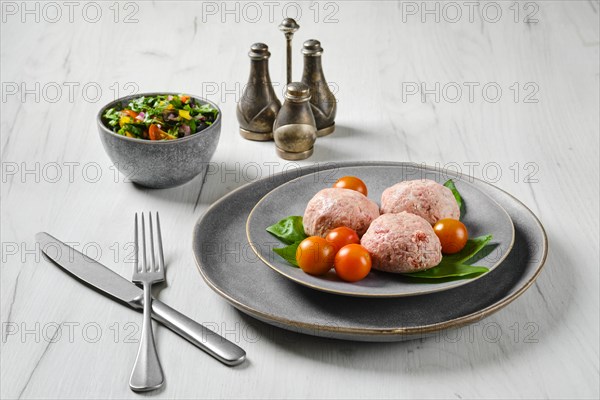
(199,335)
(147,373)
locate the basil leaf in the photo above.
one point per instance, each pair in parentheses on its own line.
(449,270)
(453,265)
(288,253)
(450,185)
(289,230)
(472,247)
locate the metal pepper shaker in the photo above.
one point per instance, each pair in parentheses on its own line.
(258,106)
(322,101)
(295,131)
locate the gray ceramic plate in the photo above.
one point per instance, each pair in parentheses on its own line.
(483,216)
(230,267)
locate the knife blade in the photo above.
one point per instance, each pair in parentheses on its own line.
(89,271)
(113,285)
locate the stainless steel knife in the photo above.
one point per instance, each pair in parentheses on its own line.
(118,288)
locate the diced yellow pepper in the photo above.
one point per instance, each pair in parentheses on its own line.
(124,120)
(184,114)
(128,134)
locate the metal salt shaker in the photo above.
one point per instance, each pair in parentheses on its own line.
(294,130)
(258,106)
(323,102)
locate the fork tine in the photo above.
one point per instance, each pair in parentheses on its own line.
(136,265)
(144,265)
(161,257)
(151,267)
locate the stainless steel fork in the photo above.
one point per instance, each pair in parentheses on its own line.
(147,373)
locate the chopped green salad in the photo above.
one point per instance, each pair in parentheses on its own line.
(162,117)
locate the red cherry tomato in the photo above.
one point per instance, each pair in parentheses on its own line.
(452,234)
(352,263)
(156,133)
(339,237)
(353,183)
(129,113)
(315,255)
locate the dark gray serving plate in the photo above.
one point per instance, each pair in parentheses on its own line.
(484,216)
(230,267)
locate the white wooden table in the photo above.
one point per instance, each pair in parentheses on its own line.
(510,97)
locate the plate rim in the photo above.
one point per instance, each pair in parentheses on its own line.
(400,331)
(458,283)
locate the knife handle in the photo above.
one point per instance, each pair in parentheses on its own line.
(199,335)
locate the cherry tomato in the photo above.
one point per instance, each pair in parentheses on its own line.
(352,263)
(452,234)
(339,237)
(353,183)
(315,255)
(129,113)
(156,133)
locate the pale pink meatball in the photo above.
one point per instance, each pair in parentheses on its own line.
(423,197)
(334,207)
(402,243)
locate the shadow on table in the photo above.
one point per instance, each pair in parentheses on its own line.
(528,322)
(218,179)
(330,148)
(343,132)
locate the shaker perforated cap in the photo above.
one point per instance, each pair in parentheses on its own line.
(312,47)
(259,51)
(297,91)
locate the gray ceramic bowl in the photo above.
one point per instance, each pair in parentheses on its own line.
(160,164)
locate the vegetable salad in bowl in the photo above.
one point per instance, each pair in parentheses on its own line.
(160,117)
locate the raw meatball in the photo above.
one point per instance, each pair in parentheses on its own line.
(423,197)
(402,243)
(335,207)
